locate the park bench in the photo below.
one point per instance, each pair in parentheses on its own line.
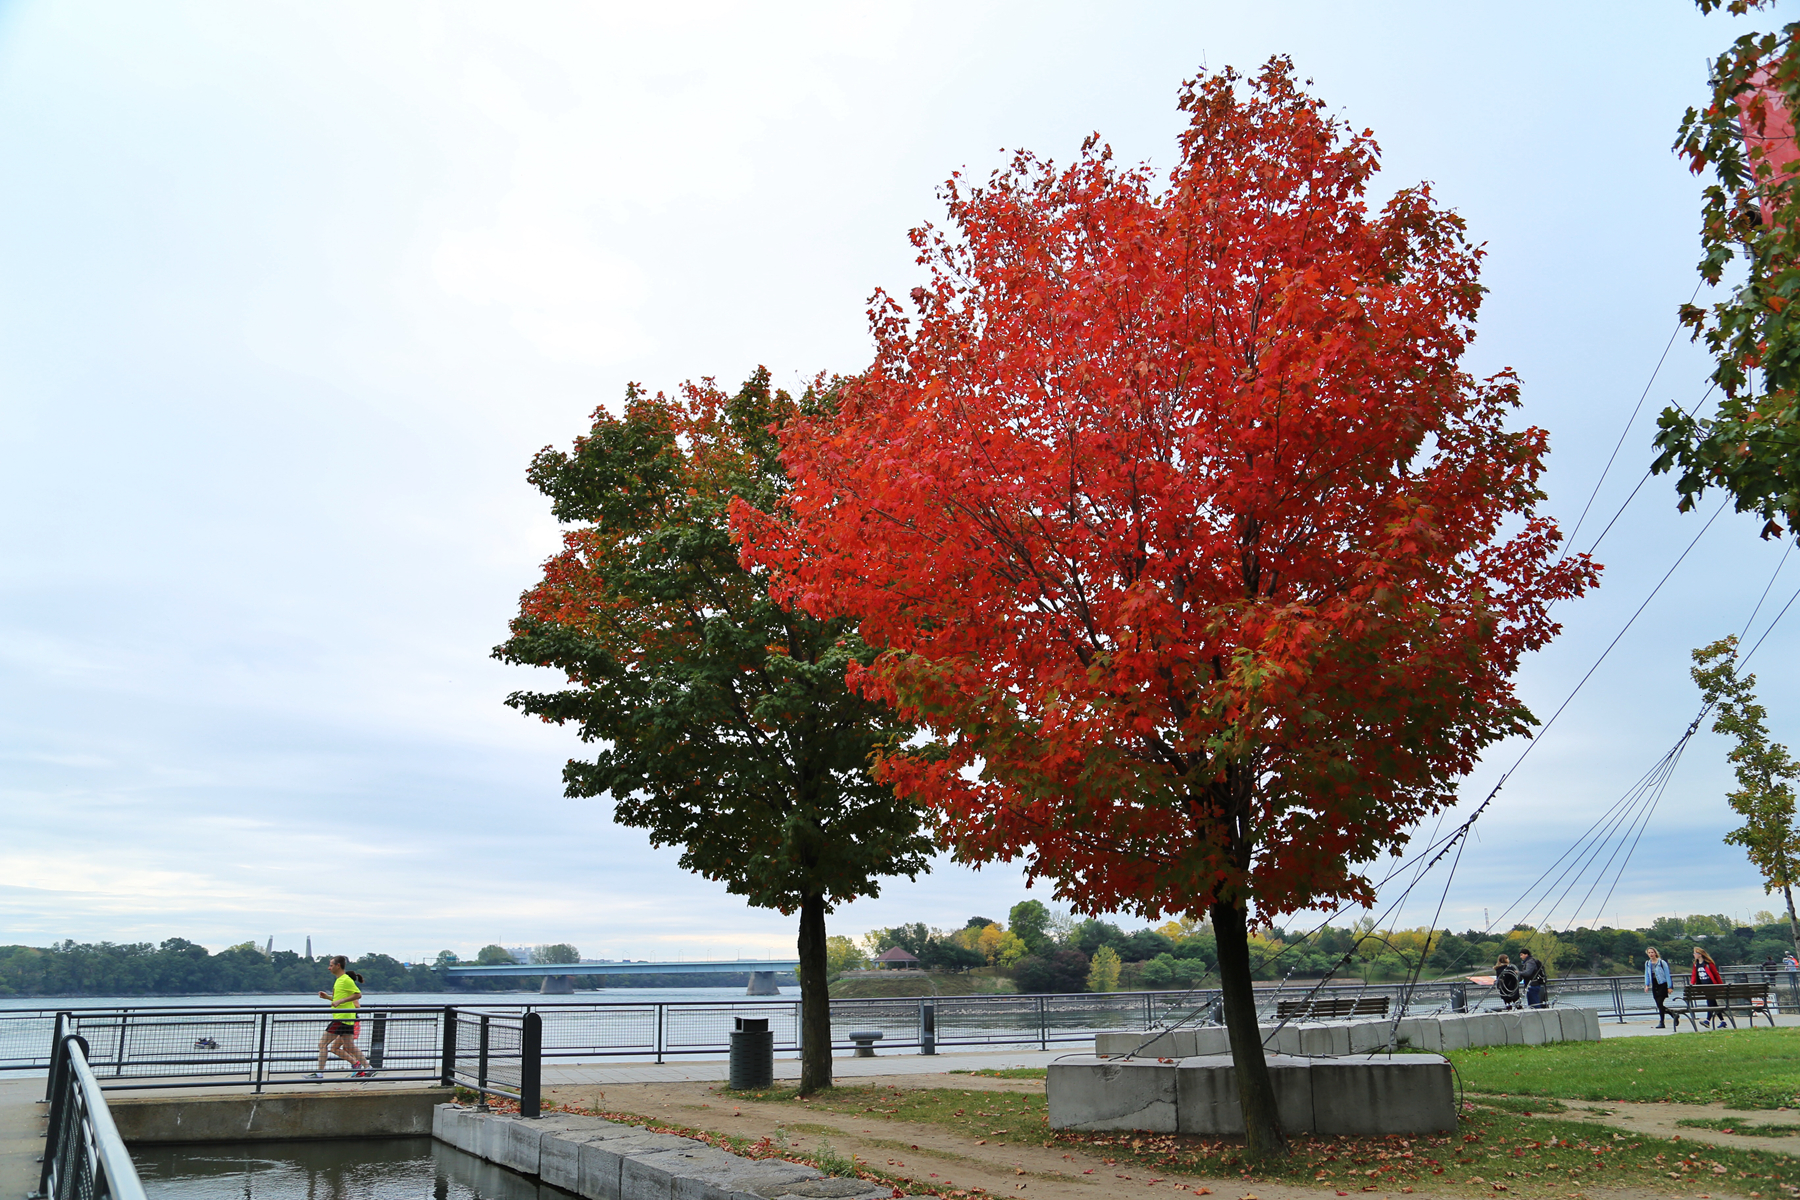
(1731,999)
(1324,1010)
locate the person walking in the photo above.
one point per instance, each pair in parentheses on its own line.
(340,1032)
(1657,982)
(1531,974)
(1707,971)
(1506,982)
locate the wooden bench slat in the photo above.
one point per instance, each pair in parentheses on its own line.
(1726,999)
(1367,1006)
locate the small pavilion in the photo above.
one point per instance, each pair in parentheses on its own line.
(895,959)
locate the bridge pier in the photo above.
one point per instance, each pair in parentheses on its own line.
(557,985)
(762,983)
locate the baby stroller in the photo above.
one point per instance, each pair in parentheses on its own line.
(1506,983)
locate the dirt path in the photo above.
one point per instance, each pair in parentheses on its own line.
(1659,1119)
(915,1151)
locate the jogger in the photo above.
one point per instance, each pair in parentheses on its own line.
(340,1032)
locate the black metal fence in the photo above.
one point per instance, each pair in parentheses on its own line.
(496,1054)
(84,1156)
(201,1046)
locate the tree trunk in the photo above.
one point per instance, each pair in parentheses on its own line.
(1787,889)
(815,999)
(1263,1136)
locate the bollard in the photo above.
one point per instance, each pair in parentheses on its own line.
(752,1054)
(927,1027)
(531,1066)
(378,1040)
(448,1075)
(481,1066)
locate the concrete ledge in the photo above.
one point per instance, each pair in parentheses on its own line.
(277,1117)
(601,1160)
(1136,1093)
(1433,1034)
(1411,1093)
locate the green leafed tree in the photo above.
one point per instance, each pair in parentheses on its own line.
(1743,140)
(1031,921)
(1103,970)
(492,955)
(1765,774)
(560,952)
(720,719)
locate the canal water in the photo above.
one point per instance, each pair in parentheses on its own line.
(364,1169)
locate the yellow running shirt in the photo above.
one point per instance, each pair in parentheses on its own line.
(344,994)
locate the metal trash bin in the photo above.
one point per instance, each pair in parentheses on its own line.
(752,1054)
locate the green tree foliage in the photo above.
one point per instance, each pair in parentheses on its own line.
(722,720)
(1030,920)
(1765,773)
(1103,970)
(491,955)
(179,967)
(1092,934)
(560,952)
(843,954)
(1055,971)
(1744,137)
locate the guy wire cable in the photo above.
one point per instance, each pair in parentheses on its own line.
(1461,830)
(1632,419)
(1695,724)
(1658,776)
(1648,472)
(1456,835)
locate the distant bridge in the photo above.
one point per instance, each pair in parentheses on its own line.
(557,976)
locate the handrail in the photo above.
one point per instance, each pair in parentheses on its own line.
(84,1156)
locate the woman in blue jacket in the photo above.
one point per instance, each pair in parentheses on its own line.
(1656,982)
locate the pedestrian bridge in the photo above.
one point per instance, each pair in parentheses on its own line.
(558,977)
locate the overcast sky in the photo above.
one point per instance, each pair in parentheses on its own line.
(290,293)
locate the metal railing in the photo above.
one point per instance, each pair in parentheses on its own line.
(496,1054)
(84,1156)
(207,1046)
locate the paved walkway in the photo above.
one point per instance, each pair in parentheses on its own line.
(21,1137)
(709,1070)
(1646,1026)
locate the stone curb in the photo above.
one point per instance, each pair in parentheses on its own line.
(603,1160)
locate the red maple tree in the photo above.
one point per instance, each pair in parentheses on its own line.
(1182,527)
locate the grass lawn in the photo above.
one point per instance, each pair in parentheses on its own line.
(1742,1068)
(1496,1147)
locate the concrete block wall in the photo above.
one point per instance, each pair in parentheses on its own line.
(602,1160)
(1337,1039)
(1411,1093)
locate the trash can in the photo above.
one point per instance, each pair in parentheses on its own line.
(752,1054)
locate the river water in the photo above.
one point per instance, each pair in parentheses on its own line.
(365,1169)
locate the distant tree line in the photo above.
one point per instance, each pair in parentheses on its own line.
(1047,952)
(178,967)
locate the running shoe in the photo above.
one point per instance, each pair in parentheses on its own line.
(314,1075)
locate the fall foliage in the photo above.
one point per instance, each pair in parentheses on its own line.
(1182,527)
(723,722)
(1744,139)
